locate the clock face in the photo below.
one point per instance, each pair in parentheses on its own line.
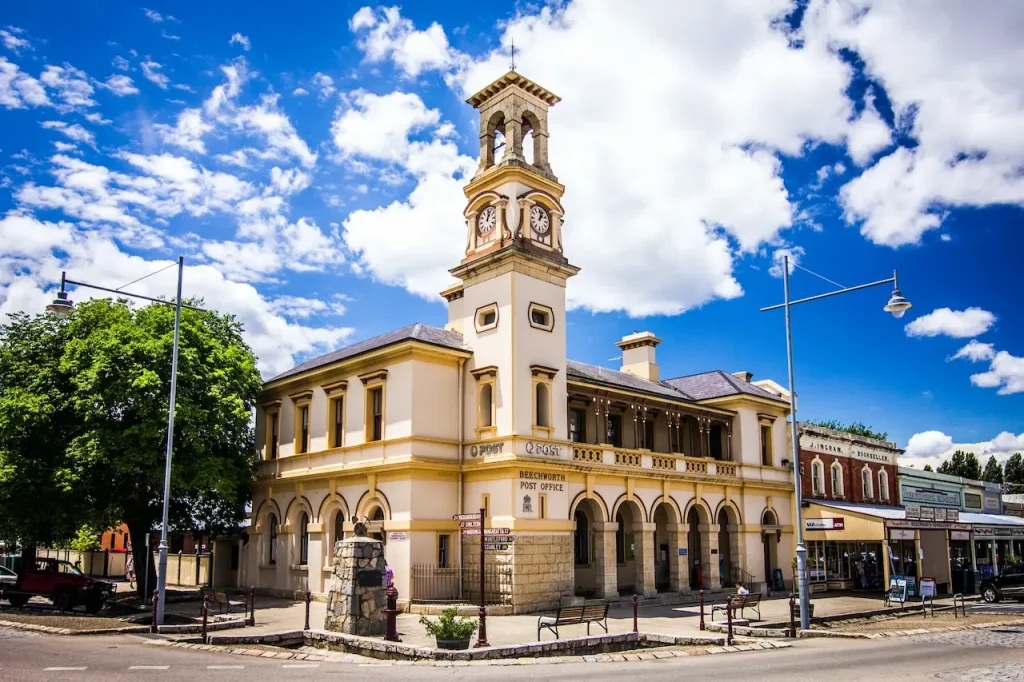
(539,220)
(486,221)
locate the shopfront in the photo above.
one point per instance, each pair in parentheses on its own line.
(997,546)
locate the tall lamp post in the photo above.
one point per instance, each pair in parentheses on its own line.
(897,305)
(63,306)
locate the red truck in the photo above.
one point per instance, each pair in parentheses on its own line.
(59,581)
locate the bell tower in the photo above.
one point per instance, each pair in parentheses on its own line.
(510,305)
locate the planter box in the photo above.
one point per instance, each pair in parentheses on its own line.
(456,644)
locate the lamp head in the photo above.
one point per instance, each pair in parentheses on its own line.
(61,305)
(897,304)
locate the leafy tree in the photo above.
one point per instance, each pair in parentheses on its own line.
(964,464)
(856,429)
(88,539)
(83,422)
(972,467)
(1013,474)
(928,467)
(993,472)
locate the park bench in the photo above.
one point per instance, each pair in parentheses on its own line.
(739,603)
(219,598)
(589,612)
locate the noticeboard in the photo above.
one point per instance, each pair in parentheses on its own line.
(897,588)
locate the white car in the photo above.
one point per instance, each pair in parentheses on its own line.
(7,578)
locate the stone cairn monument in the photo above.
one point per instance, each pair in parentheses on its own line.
(357,598)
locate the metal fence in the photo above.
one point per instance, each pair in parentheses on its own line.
(433,585)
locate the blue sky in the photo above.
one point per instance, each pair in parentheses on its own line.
(307,160)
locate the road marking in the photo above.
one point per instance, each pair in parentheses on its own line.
(59,669)
(225,667)
(149,667)
(301,665)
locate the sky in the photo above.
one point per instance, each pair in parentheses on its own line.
(307,160)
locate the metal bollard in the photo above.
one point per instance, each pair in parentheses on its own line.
(635,609)
(792,615)
(156,598)
(206,613)
(252,605)
(308,596)
(700,600)
(728,617)
(391,614)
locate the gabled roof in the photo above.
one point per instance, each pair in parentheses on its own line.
(592,374)
(414,332)
(718,384)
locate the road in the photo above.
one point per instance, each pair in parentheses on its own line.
(970,656)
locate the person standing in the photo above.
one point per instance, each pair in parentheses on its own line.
(129,568)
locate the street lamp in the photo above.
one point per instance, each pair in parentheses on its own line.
(63,306)
(898,305)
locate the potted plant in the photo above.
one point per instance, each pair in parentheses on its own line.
(450,631)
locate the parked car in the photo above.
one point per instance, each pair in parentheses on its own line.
(59,581)
(7,578)
(1008,584)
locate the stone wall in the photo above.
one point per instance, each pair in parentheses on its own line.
(542,570)
(352,607)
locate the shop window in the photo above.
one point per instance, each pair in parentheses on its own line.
(817,477)
(541,317)
(837,480)
(443,550)
(577,425)
(486,318)
(304,539)
(766,445)
(272,543)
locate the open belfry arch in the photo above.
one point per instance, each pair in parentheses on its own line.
(612,481)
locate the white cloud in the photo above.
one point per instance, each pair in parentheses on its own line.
(152,71)
(18,89)
(241,40)
(187,133)
(14,41)
(169,36)
(268,121)
(72,86)
(97,118)
(324,84)
(289,181)
(300,92)
(935,447)
(388,34)
(959,324)
(223,96)
(378,126)
(239,158)
(868,134)
(975,351)
(1006,372)
(121,64)
(955,78)
(64,146)
(44,249)
(778,267)
(301,308)
(153,16)
(74,131)
(120,85)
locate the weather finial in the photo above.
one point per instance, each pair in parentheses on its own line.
(512,63)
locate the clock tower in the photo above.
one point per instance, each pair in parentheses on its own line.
(510,305)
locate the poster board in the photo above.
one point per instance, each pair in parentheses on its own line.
(927,587)
(898,589)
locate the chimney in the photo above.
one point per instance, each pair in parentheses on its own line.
(638,355)
(744,376)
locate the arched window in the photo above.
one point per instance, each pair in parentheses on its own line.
(817,477)
(543,406)
(837,479)
(339,526)
(304,539)
(883,485)
(865,479)
(272,544)
(581,550)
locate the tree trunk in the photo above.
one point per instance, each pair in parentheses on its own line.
(138,531)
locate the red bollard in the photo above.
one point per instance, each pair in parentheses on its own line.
(252,606)
(391,613)
(156,597)
(308,596)
(728,617)
(206,613)
(700,600)
(635,629)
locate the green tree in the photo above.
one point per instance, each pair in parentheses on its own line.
(972,467)
(928,467)
(993,472)
(87,539)
(83,422)
(1013,474)
(856,428)
(964,464)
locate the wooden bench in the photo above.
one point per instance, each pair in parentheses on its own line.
(219,598)
(739,603)
(589,612)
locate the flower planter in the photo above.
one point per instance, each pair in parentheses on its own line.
(453,643)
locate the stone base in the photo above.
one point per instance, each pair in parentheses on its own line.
(353,606)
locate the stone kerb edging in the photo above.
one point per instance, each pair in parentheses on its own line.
(778,629)
(904,633)
(67,631)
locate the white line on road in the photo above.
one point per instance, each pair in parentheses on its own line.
(301,665)
(59,669)
(225,667)
(149,667)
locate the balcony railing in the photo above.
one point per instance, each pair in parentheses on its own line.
(657,461)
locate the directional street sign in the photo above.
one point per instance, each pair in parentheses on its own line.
(467,517)
(495,546)
(499,539)
(486,531)
(469,524)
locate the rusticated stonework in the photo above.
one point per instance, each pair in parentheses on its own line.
(354,605)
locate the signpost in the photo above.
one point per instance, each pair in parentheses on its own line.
(490,539)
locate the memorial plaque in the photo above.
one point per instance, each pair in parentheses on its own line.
(369,578)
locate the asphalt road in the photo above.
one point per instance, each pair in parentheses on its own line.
(967,656)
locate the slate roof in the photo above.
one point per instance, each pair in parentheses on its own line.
(414,332)
(592,374)
(717,384)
